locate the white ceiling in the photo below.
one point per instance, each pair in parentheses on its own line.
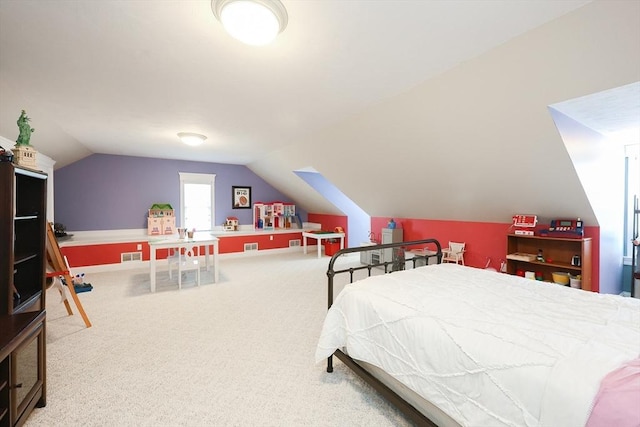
(614,113)
(124,77)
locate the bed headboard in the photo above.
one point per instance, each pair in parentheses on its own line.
(404,255)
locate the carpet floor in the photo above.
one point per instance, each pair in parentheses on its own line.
(239,352)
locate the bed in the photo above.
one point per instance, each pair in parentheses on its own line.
(451,345)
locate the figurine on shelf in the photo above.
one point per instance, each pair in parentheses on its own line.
(392,224)
(25,129)
(23,153)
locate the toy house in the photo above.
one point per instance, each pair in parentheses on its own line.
(230,224)
(161,220)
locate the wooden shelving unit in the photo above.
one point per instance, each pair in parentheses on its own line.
(558,253)
(22,292)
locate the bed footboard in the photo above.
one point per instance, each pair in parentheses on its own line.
(400,260)
(431,249)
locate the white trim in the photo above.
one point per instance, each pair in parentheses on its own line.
(98,237)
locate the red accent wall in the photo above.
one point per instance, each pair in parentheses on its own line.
(110,253)
(330,222)
(230,244)
(485,241)
(105,253)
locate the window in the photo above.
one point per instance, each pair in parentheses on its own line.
(197,205)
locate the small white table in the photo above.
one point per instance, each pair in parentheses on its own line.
(421,252)
(319,237)
(173,242)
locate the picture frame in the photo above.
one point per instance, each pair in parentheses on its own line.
(241,197)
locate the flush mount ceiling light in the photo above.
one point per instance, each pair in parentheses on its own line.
(255,22)
(192,139)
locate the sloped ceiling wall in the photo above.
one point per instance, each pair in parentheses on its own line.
(476,143)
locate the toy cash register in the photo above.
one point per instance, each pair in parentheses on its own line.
(524,224)
(573,228)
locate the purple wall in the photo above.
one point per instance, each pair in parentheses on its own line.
(108,192)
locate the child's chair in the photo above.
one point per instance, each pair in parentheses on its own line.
(188,260)
(454,253)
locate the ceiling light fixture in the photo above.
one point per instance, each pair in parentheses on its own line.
(255,22)
(192,139)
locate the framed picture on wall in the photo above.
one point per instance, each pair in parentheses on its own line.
(241,197)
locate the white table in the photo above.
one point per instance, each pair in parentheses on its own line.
(319,237)
(173,242)
(421,252)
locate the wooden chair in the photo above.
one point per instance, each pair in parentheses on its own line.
(454,253)
(188,260)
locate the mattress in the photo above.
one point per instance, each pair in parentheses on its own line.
(431,411)
(484,347)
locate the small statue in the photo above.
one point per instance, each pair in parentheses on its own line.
(25,129)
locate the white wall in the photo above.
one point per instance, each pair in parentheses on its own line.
(600,165)
(476,143)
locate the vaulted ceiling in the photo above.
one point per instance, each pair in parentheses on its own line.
(413,109)
(124,77)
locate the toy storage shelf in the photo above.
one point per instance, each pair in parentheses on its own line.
(558,253)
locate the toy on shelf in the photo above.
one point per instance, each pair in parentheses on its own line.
(161,219)
(524,225)
(274,215)
(230,224)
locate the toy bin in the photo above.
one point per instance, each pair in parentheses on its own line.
(330,248)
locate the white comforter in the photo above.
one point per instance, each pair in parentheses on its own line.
(489,349)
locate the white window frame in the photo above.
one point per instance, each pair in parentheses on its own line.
(198,178)
(632,163)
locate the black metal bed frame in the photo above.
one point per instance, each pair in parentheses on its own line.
(398,263)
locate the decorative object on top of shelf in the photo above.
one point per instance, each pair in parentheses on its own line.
(25,129)
(241,197)
(161,220)
(571,228)
(391,224)
(23,153)
(254,22)
(274,215)
(524,224)
(230,224)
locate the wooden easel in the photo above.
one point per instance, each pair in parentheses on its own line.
(60,268)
